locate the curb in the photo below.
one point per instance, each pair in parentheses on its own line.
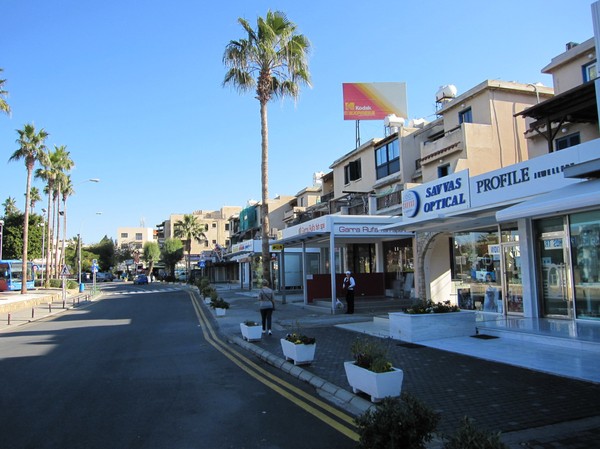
(352,403)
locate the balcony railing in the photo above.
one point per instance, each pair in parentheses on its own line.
(389,200)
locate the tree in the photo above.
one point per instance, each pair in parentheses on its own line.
(10,206)
(67,190)
(34,198)
(4,107)
(271,62)
(12,236)
(190,229)
(61,164)
(105,251)
(31,149)
(151,255)
(171,253)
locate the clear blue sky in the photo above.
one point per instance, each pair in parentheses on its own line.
(133,89)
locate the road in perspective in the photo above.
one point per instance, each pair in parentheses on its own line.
(143,368)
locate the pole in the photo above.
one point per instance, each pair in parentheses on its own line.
(1,233)
(79,259)
(43,250)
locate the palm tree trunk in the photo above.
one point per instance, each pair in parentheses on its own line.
(264,175)
(63,260)
(26,229)
(56,253)
(48,241)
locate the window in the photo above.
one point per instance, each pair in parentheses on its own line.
(567,141)
(124,235)
(443,170)
(352,171)
(387,159)
(227,226)
(214,242)
(214,225)
(465,116)
(589,72)
(138,236)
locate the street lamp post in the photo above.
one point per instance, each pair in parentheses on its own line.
(43,268)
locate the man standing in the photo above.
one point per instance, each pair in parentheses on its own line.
(349,285)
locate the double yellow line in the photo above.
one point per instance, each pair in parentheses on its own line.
(340,421)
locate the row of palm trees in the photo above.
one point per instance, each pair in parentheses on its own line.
(54,170)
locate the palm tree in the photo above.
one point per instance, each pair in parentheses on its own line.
(4,107)
(271,62)
(34,198)
(48,174)
(10,206)
(62,164)
(67,191)
(189,229)
(32,150)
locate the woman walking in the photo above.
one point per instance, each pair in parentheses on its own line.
(266,303)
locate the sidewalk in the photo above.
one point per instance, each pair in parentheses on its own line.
(529,407)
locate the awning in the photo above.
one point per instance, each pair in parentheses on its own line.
(581,195)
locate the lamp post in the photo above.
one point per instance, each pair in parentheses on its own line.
(1,233)
(79,251)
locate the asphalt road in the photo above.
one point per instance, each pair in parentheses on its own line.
(143,368)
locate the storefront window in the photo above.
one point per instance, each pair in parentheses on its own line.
(476,271)
(585,253)
(399,266)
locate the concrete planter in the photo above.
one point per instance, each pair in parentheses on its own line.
(251,333)
(431,326)
(376,385)
(219,311)
(299,354)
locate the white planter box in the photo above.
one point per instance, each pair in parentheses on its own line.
(431,326)
(251,333)
(376,385)
(300,354)
(219,311)
(207,301)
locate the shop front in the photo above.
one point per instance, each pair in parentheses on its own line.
(521,240)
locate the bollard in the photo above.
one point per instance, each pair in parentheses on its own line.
(63,304)
(50,307)
(9,319)
(32,312)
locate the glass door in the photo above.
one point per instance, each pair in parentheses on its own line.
(513,280)
(556,296)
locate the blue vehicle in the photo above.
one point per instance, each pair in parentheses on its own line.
(11,275)
(140,279)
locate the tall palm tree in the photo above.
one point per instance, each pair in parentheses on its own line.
(272,61)
(10,206)
(189,229)
(62,164)
(67,191)
(34,198)
(4,107)
(32,149)
(48,174)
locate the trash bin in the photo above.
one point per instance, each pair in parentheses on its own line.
(81,287)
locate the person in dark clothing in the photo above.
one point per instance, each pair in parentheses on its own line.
(349,285)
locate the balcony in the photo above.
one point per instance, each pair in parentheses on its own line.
(389,200)
(452,142)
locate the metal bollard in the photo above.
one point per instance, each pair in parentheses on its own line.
(63,304)
(32,312)
(9,319)
(50,307)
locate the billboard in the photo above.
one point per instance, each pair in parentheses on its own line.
(374,101)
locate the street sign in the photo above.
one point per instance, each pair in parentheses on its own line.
(65,271)
(277,247)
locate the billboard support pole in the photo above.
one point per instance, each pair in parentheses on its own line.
(357,133)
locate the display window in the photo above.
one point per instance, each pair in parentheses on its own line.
(585,259)
(476,273)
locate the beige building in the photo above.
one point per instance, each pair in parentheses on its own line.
(217,228)
(134,237)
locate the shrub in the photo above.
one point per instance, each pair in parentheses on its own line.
(219,303)
(467,437)
(397,423)
(431,307)
(299,339)
(371,355)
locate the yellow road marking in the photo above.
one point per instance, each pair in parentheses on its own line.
(290,392)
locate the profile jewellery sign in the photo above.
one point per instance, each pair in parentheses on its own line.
(436,199)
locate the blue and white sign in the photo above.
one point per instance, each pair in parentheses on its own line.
(440,197)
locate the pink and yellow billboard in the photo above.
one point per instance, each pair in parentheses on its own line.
(374,101)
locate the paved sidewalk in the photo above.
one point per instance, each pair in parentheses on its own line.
(532,409)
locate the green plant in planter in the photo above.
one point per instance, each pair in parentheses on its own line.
(250,323)
(219,303)
(396,423)
(299,339)
(371,355)
(431,307)
(467,436)
(207,291)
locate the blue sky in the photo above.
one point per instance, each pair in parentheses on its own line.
(134,90)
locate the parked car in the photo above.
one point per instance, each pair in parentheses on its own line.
(140,279)
(104,277)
